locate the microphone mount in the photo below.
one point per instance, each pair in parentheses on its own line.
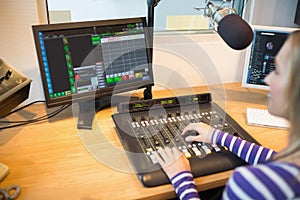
(218,13)
(150,23)
(215,14)
(152,3)
(150,18)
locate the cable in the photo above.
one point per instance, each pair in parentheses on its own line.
(25,106)
(35,120)
(47,116)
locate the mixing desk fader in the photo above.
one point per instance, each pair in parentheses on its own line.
(147,125)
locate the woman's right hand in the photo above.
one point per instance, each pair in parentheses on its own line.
(172,161)
(204,132)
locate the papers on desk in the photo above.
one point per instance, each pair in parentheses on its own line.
(3,171)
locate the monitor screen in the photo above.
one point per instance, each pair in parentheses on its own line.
(87,60)
(259,59)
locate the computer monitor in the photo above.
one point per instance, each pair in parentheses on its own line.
(259,59)
(86,61)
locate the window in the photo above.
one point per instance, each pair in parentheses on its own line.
(168,15)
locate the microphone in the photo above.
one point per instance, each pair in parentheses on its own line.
(231,27)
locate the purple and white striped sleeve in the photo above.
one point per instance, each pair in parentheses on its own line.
(273,180)
(184,185)
(250,152)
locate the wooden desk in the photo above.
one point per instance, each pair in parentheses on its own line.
(53,160)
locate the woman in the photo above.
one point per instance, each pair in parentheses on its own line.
(271,175)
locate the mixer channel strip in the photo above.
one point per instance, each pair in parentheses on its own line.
(147,125)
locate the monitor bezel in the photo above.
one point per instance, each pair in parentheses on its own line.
(249,50)
(102,92)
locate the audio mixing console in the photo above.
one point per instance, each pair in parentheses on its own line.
(147,125)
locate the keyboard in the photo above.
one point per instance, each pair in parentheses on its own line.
(262,117)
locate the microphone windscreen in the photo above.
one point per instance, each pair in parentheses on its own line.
(235,31)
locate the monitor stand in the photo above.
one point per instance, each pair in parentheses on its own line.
(88,109)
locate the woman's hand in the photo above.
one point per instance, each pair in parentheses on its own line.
(204,130)
(172,161)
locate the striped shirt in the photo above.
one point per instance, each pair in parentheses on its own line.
(184,185)
(271,180)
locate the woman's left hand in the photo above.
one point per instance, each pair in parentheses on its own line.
(172,161)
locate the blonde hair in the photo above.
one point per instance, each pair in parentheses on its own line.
(293,97)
